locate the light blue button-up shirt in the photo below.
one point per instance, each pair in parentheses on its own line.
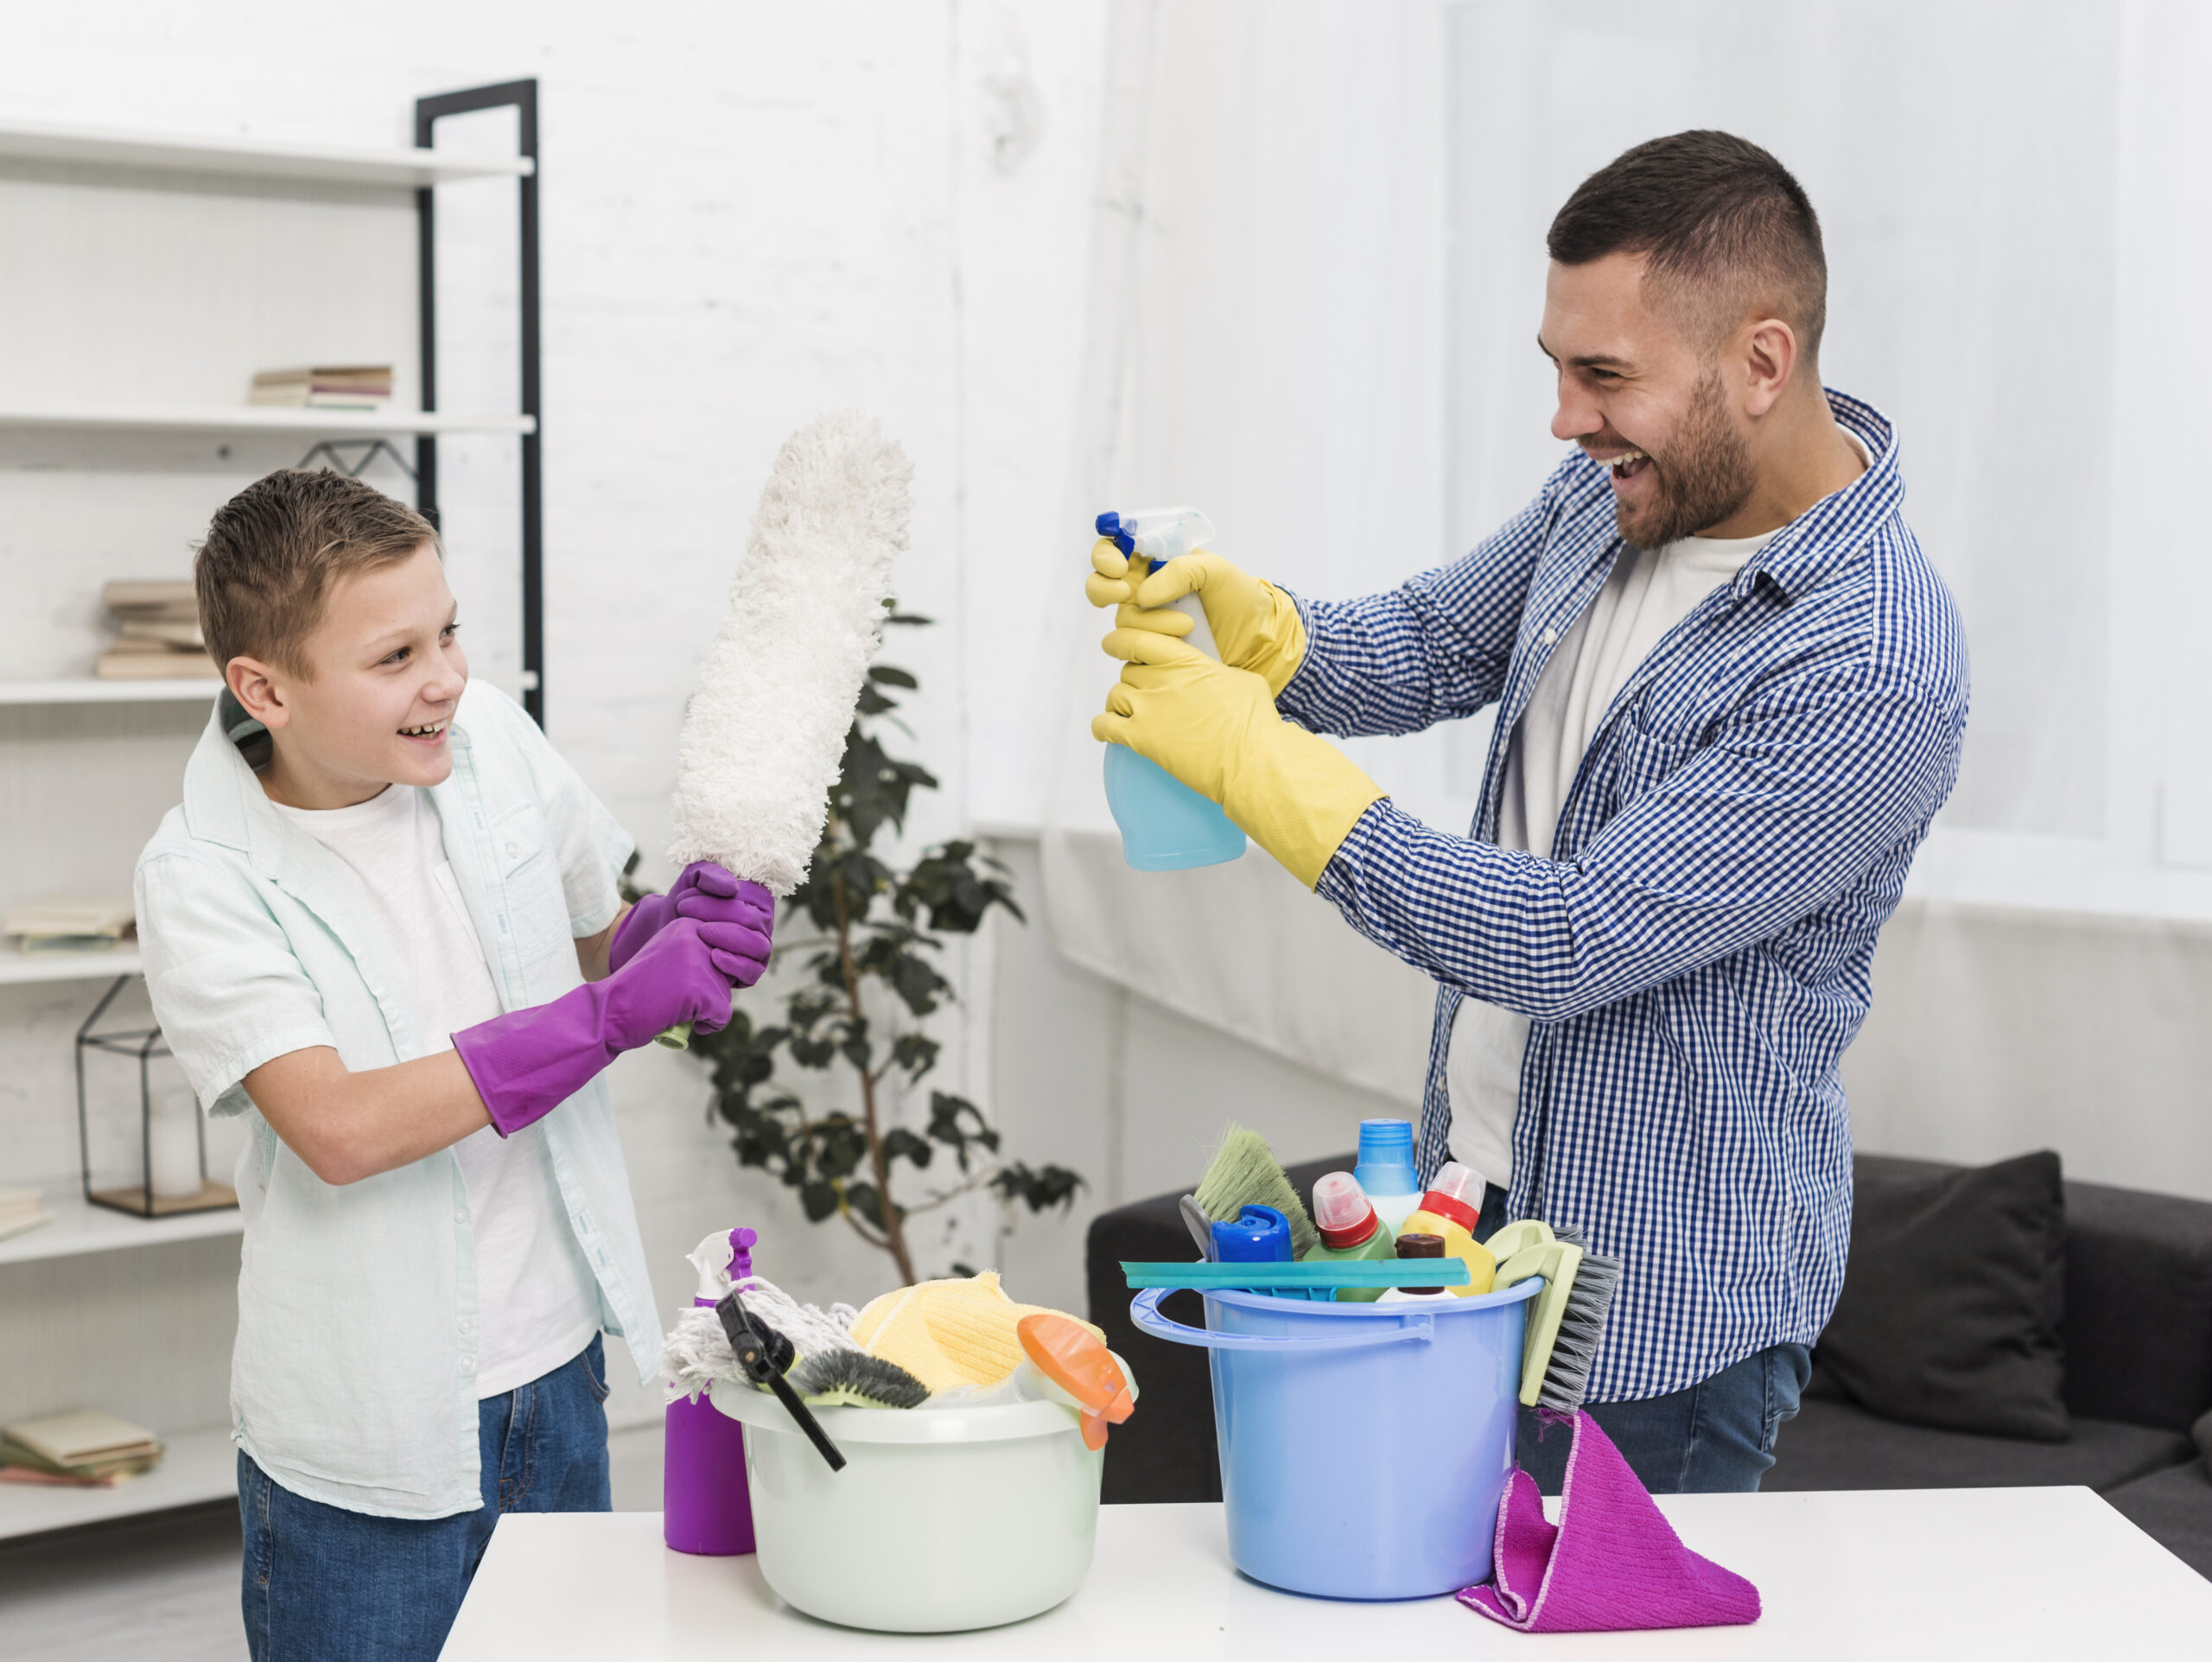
(354,1378)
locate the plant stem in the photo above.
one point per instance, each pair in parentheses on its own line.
(895,1238)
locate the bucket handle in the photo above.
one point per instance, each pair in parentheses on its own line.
(1417,1327)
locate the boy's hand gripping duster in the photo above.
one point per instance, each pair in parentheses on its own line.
(764,732)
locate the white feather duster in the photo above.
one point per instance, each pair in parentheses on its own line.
(765,731)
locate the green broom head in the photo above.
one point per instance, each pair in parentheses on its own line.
(853,1378)
(1245,1172)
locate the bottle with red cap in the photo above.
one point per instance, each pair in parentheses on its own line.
(1350,1228)
(1452,1208)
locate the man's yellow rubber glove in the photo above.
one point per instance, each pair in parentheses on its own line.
(1256,625)
(1214,727)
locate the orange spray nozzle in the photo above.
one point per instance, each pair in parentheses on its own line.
(1073,1358)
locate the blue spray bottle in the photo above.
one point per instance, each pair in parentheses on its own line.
(1165,825)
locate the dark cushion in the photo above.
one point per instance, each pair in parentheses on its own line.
(2138,1333)
(1165,1451)
(1953,1296)
(1835,1445)
(2174,1508)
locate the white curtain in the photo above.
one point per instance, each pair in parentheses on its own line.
(1318,323)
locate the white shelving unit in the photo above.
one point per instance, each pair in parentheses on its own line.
(85,689)
(79,1228)
(108,147)
(201,1466)
(18,967)
(201,1462)
(219,419)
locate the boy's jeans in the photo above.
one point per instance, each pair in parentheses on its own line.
(322,1584)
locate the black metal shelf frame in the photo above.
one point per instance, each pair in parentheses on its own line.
(521,95)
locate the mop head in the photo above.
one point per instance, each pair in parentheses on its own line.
(1245,1172)
(852,1379)
(697,1352)
(765,732)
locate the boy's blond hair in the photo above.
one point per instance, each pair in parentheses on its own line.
(273,550)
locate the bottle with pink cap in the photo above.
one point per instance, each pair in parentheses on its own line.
(1350,1228)
(1453,1209)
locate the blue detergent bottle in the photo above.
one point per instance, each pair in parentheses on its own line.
(1165,825)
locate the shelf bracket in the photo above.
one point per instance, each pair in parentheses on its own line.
(332,451)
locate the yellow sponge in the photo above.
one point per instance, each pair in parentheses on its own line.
(948,1334)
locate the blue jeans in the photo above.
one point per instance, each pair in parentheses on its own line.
(1716,1436)
(323,1584)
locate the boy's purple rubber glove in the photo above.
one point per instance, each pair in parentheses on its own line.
(528,1062)
(711,895)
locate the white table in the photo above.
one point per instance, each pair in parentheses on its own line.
(1872,1576)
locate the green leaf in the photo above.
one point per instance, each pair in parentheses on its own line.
(885,675)
(820,1201)
(1046,1186)
(914,1053)
(864,1200)
(899,1143)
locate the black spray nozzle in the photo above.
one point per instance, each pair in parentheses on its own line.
(764,1356)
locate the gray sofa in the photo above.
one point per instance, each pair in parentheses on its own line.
(2136,1332)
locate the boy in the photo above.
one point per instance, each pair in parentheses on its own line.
(384,925)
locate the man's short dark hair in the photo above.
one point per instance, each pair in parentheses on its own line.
(1723,226)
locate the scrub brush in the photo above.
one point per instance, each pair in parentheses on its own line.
(853,1378)
(1245,1172)
(1566,1319)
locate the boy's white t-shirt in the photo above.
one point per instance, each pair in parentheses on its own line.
(537,1303)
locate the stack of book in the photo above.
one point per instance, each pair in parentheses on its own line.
(156,633)
(70,923)
(84,1449)
(325,386)
(22,1209)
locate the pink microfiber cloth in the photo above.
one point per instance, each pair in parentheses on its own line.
(1611,1564)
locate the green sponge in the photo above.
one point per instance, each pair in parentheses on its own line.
(1245,1172)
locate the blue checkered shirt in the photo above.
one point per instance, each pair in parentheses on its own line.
(1695,956)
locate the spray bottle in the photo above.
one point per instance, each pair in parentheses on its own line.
(1165,825)
(705,1505)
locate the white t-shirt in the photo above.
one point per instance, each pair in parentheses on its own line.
(536,1302)
(1647,594)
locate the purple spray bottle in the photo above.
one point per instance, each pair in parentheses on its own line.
(705,1507)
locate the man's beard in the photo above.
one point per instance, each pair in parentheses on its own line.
(1702,477)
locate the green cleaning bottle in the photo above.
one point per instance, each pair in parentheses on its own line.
(1349,1229)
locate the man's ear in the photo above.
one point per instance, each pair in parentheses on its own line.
(255,685)
(1769,359)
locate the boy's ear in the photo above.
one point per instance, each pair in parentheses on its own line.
(254,684)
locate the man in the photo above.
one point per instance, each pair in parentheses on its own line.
(1731,695)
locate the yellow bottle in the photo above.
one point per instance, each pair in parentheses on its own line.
(1450,1208)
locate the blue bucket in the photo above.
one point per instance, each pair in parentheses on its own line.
(1364,1447)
